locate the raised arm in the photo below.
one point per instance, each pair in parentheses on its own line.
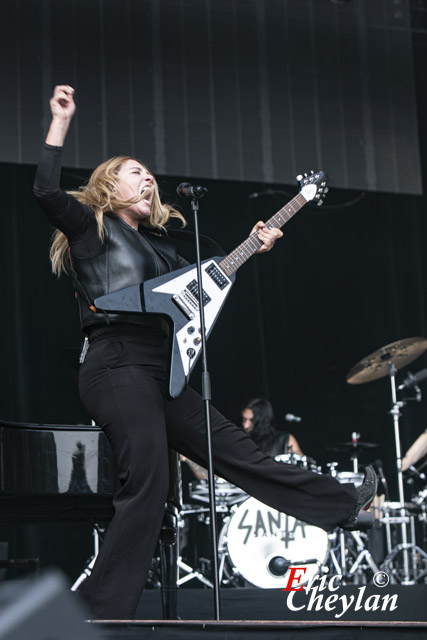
(62,107)
(63,211)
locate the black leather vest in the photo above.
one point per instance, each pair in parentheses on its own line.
(123,260)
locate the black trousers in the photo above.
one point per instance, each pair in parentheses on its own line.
(122,384)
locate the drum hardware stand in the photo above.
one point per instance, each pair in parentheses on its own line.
(421,497)
(403,548)
(97,533)
(192,573)
(355,437)
(347,539)
(409,550)
(340,560)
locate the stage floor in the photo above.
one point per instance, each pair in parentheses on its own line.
(369,603)
(372,613)
(261,630)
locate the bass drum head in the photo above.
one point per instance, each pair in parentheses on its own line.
(261,543)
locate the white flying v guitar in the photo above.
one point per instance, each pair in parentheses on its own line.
(175,295)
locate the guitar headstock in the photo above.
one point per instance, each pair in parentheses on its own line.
(314,186)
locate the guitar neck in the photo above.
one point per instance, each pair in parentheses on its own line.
(248,247)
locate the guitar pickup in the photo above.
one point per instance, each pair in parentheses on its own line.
(193,288)
(182,306)
(220,280)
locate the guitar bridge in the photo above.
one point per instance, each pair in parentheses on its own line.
(182,306)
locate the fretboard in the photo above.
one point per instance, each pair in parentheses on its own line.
(248,247)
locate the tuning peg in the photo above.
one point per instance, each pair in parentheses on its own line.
(305,175)
(312,172)
(299,178)
(319,204)
(325,190)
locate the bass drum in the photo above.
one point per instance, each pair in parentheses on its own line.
(259,545)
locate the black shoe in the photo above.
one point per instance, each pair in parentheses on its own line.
(360,518)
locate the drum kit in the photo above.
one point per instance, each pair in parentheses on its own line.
(257,545)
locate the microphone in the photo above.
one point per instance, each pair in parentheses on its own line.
(412,380)
(291,418)
(378,464)
(187,190)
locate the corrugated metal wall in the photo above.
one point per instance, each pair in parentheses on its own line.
(254,90)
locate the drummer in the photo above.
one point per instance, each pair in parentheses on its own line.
(258,422)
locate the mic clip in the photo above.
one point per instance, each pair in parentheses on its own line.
(187,190)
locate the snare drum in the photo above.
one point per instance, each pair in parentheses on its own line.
(260,544)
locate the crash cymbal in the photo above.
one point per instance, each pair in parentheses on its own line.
(352,446)
(375,366)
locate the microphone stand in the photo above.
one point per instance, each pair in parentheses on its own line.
(207,397)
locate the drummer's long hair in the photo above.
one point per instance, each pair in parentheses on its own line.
(263,432)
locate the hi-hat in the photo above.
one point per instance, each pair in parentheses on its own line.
(352,446)
(375,366)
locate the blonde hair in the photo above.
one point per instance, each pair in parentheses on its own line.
(99,194)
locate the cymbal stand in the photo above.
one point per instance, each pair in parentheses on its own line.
(355,437)
(408,550)
(191,573)
(350,548)
(188,572)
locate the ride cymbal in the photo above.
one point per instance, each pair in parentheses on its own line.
(375,366)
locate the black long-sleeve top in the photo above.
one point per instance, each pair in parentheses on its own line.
(74,219)
(78,223)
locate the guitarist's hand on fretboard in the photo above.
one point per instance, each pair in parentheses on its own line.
(268,236)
